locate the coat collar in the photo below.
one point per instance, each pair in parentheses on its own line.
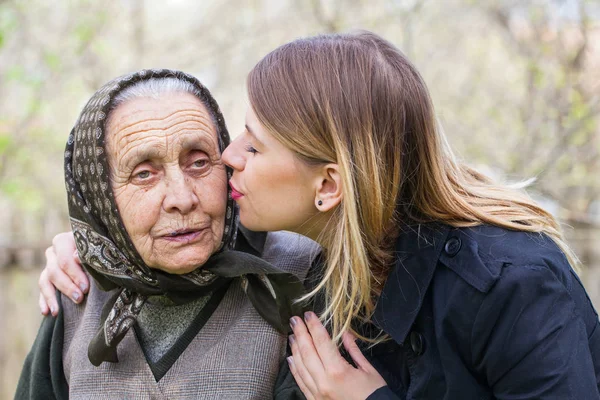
(418,249)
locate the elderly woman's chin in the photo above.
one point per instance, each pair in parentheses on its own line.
(180,255)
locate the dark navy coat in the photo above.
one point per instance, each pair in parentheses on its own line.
(484,313)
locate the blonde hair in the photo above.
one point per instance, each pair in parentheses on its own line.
(356,100)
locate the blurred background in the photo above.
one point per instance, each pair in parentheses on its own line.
(516,85)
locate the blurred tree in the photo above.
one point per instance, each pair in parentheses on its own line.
(560,109)
(513,82)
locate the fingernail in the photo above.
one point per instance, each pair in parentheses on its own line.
(76,296)
(308,315)
(83,287)
(290,360)
(293,322)
(53,310)
(292,339)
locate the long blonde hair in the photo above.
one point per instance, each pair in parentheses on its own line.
(356,100)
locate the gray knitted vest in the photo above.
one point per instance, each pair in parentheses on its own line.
(236,355)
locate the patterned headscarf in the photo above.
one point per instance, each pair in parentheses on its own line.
(108,253)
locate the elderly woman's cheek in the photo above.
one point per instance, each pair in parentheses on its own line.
(139,209)
(213,194)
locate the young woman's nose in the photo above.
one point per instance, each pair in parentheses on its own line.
(234,155)
(180,196)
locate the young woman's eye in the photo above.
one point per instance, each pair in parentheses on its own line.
(251,149)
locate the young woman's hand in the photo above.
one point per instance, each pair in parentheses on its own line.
(63,271)
(319,368)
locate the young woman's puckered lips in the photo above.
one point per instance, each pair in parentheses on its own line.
(235,195)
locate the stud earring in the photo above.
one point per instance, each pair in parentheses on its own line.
(320,202)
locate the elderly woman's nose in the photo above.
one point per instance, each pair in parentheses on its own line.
(233,155)
(180,195)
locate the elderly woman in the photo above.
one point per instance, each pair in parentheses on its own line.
(171,310)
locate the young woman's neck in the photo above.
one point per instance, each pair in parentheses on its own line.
(314,227)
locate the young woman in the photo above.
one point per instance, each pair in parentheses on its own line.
(456,287)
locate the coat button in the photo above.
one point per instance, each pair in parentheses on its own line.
(417,343)
(452,246)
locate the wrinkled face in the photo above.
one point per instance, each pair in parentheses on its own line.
(274,189)
(169,184)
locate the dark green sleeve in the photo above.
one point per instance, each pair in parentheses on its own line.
(43,376)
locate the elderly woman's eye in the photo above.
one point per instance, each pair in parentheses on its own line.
(202,163)
(143,175)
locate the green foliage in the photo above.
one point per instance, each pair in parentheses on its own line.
(537,74)
(25,195)
(16,73)
(5,141)
(579,106)
(21,75)
(84,32)
(8,23)
(53,61)
(10,187)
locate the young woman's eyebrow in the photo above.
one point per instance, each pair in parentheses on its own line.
(251,133)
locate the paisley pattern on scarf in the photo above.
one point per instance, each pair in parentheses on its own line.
(101,254)
(123,314)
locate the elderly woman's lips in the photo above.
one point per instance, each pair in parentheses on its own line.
(184,236)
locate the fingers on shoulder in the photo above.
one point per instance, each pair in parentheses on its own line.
(315,326)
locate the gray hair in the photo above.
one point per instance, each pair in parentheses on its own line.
(156,87)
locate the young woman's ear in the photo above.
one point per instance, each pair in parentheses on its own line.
(329,191)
